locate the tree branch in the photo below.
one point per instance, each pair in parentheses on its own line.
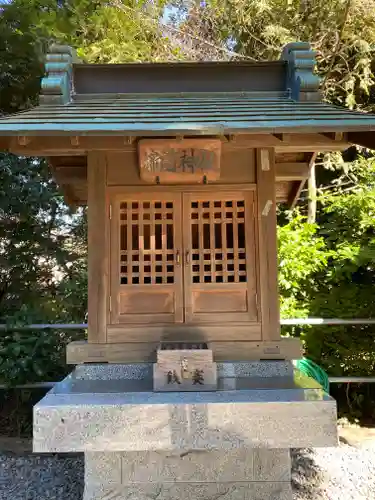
(339,40)
(197,38)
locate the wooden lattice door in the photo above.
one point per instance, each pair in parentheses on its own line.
(146,251)
(219,257)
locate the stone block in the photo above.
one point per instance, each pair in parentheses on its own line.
(192,491)
(150,421)
(103,469)
(140,371)
(272,465)
(113,371)
(246,369)
(237,474)
(191,466)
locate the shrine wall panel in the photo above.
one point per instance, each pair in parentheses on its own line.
(237,167)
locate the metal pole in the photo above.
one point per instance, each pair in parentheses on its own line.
(58,326)
(285,322)
(327,321)
(35,385)
(352,380)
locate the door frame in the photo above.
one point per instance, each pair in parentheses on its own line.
(116,193)
(251,315)
(115,262)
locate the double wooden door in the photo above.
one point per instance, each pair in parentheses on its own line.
(183,257)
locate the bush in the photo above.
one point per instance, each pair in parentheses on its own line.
(34,355)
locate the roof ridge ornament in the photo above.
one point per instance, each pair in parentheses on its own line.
(57,85)
(301,80)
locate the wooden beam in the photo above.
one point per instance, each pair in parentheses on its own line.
(71,145)
(70,175)
(97,217)
(69,197)
(80,352)
(23,140)
(310,143)
(295,193)
(286,157)
(337,136)
(47,146)
(75,140)
(291,171)
(364,139)
(183,332)
(66,186)
(285,349)
(282,190)
(62,145)
(283,137)
(4,143)
(267,252)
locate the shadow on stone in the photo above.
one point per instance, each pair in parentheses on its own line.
(306,475)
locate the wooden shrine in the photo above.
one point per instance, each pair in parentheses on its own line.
(181,166)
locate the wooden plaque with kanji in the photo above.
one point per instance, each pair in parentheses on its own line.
(168,161)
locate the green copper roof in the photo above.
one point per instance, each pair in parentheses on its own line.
(182,99)
(228,113)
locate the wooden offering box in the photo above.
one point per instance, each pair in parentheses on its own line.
(184,367)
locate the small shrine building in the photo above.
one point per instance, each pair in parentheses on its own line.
(181,166)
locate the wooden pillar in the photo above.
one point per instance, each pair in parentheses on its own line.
(97,247)
(267,237)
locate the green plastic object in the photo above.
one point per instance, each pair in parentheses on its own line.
(314,371)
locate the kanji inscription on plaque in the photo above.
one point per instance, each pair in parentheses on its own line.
(184,368)
(172,161)
(172,377)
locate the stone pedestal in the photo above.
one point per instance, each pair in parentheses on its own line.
(197,475)
(228,444)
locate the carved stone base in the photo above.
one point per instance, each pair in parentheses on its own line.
(200,475)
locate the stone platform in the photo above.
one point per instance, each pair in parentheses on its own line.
(231,444)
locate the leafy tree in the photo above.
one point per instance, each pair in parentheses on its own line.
(102,32)
(21,65)
(327,270)
(302,254)
(341,31)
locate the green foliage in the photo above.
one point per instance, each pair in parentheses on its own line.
(21,61)
(327,270)
(341,31)
(42,247)
(43,272)
(125,32)
(102,32)
(33,356)
(301,255)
